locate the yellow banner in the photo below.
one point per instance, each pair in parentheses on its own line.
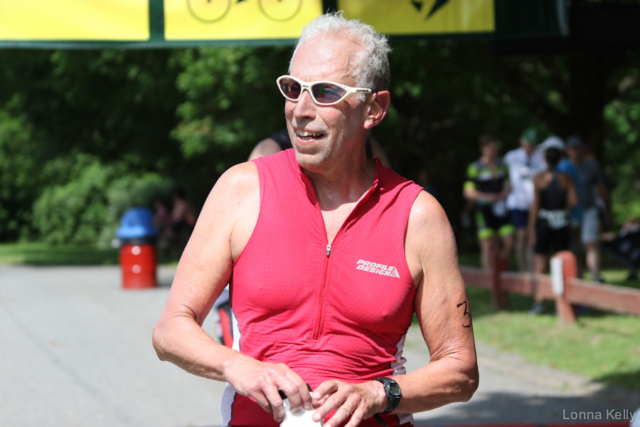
(117,20)
(238,19)
(405,17)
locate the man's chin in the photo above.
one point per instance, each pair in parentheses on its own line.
(309,160)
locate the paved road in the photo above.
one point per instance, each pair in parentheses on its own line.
(75,350)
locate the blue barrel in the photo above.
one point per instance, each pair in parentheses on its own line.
(137,224)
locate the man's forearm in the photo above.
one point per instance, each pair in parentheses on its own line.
(448,380)
(181,341)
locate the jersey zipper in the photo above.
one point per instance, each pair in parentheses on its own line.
(316,331)
(365,196)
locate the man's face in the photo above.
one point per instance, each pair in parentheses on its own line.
(529,147)
(490,151)
(319,132)
(575,154)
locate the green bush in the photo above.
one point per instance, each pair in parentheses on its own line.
(75,212)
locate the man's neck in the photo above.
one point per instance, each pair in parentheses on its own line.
(488,161)
(343,183)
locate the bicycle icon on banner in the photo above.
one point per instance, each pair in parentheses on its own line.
(211,11)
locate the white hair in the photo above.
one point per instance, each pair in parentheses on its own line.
(372,61)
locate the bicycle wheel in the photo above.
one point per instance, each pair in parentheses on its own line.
(209,10)
(280,10)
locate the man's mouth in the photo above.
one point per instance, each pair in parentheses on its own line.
(307,136)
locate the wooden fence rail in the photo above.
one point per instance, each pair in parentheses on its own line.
(562,286)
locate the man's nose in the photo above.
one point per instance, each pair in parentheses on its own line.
(305,107)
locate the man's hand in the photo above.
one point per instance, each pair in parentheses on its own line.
(358,401)
(261,381)
(490,197)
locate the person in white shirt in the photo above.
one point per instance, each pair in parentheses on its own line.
(524,163)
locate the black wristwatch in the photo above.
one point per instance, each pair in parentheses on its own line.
(393,392)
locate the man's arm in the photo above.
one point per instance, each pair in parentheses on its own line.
(444,315)
(534,210)
(443,311)
(603,192)
(223,230)
(470,192)
(572,197)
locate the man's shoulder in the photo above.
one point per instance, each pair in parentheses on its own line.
(565,165)
(474,166)
(426,212)
(591,163)
(428,226)
(514,155)
(238,179)
(589,166)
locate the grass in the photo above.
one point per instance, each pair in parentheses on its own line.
(43,254)
(602,346)
(34,253)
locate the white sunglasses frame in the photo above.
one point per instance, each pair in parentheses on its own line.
(307,86)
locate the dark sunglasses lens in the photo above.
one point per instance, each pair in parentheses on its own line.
(327,93)
(290,88)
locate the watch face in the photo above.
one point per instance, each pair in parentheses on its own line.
(394,388)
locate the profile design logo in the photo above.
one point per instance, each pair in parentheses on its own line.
(375,268)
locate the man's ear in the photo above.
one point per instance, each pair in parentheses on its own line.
(377,108)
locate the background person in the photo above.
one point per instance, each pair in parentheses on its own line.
(554,197)
(304,234)
(575,217)
(524,163)
(488,186)
(625,246)
(182,215)
(593,186)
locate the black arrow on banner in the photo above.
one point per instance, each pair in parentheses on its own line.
(438,4)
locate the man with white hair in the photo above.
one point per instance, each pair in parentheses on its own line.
(328,255)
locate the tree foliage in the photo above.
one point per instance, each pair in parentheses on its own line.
(79,130)
(21,158)
(232,101)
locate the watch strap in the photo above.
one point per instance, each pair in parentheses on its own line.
(380,420)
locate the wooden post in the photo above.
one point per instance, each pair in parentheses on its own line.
(500,298)
(569,270)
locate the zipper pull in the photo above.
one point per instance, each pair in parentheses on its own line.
(329,249)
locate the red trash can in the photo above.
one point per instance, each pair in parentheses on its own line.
(138,263)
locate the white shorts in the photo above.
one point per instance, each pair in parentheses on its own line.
(590,226)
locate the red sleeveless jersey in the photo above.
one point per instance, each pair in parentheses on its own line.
(338,311)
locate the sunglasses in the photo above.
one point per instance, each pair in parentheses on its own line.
(322,93)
